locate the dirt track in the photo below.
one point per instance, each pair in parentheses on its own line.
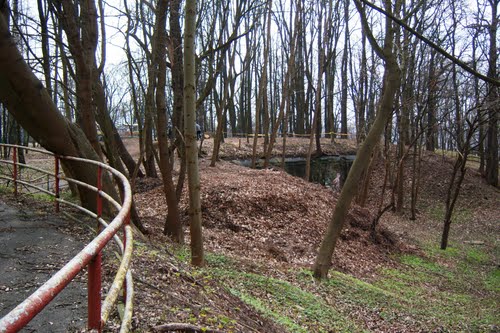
(33,247)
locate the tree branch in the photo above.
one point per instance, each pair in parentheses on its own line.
(448,56)
(181,327)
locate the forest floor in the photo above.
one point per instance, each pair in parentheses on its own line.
(262,229)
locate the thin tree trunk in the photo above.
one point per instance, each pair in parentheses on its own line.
(173,225)
(43,16)
(38,115)
(197,257)
(176,62)
(285,102)
(82,47)
(391,85)
(262,84)
(343,75)
(492,99)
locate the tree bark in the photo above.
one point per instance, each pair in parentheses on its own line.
(31,105)
(82,46)
(492,99)
(343,75)
(261,100)
(176,62)
(285,101)
(197,257)
(391,85)
(173,225)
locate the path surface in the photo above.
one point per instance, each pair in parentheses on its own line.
(33,246)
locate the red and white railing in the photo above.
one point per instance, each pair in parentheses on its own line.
(90,256)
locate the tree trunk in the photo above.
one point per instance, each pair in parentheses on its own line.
(317,108)
(173,225)
(31,105)
(299,96)
(197,257)
(149,160)
(454,190)
(343,75)
(492,100)
(176,63)
(221,111)
(391,85)
(43,16)
(285,102)
(430,143)
(262,83)
(362,92)
(82,47)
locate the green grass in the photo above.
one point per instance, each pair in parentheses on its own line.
(293,307)
(472,160)
(5,189)
(476,256)
(460,215)
(448,287)
(443,289)
(492,280)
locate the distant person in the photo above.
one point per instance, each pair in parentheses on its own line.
(336,183)
(170,132)
(198,131)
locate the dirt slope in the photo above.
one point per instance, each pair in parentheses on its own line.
(276,220)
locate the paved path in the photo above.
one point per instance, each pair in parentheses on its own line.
(32,248)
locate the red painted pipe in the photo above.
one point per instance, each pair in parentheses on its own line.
(94,278)
(17,318)
(94,294)
(56,174)
(14,176)
(125,223)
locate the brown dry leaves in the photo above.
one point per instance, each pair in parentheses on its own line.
(270,216)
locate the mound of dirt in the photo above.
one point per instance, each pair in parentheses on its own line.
(271,216)
(477,201)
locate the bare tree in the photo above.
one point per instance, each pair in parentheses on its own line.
(197,257)
(37,113)
(391,85)
(81,33)
(493,100)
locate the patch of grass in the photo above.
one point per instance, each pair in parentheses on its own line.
(357,290)
(434,251)
(492,281)
(460,215)
(42,197)
(293,307)
(476,256)
(420,263)
(218,260)
(400,288)
(436,212)
(428,292)
(183,253)
(444,292)
(264,309)
(5,189)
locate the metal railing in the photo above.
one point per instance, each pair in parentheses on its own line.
(90,256)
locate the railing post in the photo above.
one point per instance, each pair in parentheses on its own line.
(126,223)
(14,176)
(56,179)
(94,271)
